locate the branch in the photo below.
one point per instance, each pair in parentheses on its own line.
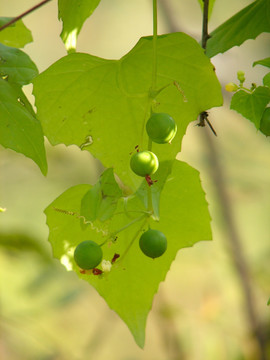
(23,14)
(205,35)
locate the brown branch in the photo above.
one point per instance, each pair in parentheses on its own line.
(15,19)
(205,35)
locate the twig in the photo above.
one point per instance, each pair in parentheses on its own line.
(203,119)
(205,35)
(12,21)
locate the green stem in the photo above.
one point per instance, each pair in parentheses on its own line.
(124,228)
(152,90)
(154,74)
(149,200)
(149,144)
(246,89)
(132,241)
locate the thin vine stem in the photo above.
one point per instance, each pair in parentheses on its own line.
(132,241)
(152,90)
(112,235)
(19,17)
(154,74)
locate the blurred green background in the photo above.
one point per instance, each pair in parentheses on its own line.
(199,312)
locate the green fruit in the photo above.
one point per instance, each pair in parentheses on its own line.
(265,122)
(144,163)
(161,128)
(88,255)
(153,243)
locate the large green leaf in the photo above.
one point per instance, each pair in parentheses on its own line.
(16,65)
(83,96)
(16,35)
(19,129)
(73,13)
(251,105)
(246,24)
(131,284)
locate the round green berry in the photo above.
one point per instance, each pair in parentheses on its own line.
(265,122)
(88,255)
(161,128)
(144,163)
(153,243)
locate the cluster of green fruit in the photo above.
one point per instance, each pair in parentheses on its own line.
(88,254)
(161,128)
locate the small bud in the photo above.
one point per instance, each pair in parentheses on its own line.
(231,87)
(241,76)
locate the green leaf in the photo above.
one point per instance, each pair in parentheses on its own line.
(266,80)
(16,66)
(100,201)
(251,105)
(130,286)
(16,34)
(73,13)
(210,7)
(268,302)
(264,62)
(83,96)
(19,129)
(246,24)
